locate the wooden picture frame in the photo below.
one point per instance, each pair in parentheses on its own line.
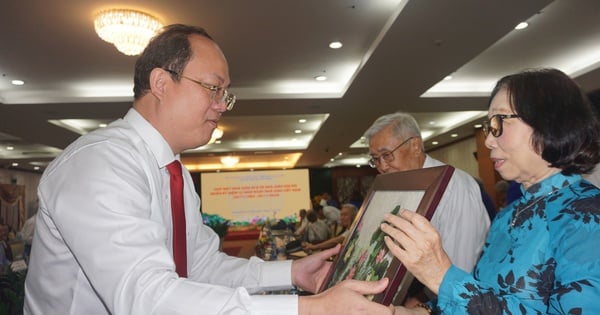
(364,255)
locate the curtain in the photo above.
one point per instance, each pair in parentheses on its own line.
(12,205)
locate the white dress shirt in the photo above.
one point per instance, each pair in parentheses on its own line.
(461,218)
(103,238)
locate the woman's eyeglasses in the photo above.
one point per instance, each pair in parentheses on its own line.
(494,124)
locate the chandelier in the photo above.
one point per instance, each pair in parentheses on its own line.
(230,160)
(129,30)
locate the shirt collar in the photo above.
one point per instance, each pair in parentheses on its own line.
(154,140)
(554,182)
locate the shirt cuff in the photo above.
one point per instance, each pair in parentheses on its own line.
(274,304)
(273,271)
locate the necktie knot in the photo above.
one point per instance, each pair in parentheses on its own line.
(174,168)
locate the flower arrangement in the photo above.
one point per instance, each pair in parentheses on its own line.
(217,223)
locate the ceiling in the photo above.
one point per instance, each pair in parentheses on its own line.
(395,56)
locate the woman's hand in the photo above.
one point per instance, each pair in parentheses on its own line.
(418,245)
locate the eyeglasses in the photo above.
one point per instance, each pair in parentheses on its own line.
(494,124)
(217,93)
(388,157)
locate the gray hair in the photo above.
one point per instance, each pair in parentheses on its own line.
(351,207)
(404,126)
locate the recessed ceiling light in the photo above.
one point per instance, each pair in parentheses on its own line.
(320,78)
(435,143)
(36,168)
(332,159)
(454,135)
(340,153)
(102,125)
(335,45)
(448,77)
(477,126)
(10,148)
(521,25)
(357,166)
(301,121)
(217,141)
(15,164)
(297,131)
(17,82)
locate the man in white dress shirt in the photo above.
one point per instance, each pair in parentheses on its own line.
(103,237)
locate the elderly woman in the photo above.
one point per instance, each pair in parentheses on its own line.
(540,256)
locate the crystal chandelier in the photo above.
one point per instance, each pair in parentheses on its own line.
(129,30)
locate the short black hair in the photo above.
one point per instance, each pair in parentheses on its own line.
(566,133)
(170,49)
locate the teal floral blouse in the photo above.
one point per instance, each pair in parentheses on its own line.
(540,256)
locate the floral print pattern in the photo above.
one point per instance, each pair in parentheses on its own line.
(540,256)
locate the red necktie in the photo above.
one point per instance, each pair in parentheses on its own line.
(178,213)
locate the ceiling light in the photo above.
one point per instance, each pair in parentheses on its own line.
(335,45)
(17,82)
(230,161)
(448,77)
(477,126)
(297,131)
(10,148)
(301,121)
(129,30)
(521,25)
(454,135)
(435,143)
(216,135)
(320,78)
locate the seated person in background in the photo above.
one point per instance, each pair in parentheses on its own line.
(347,215)
(327,200)
(301,224)
(316,230)
(5,250)
(329,214)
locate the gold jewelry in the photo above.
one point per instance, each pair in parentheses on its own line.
(531,204)
(425,306)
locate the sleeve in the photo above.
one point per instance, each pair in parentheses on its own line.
(462,220)
(103,214)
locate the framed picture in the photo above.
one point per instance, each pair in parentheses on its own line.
(364,255)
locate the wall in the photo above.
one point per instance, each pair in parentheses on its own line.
(27,179)
(459,155)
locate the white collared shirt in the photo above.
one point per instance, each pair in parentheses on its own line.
(103,237)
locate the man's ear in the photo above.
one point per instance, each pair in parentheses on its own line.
(416,145)
(158,82)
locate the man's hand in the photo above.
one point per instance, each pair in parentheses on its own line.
(347,298)
(309,272)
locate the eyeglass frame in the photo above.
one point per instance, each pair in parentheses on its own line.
(388,157)
(496,131)
(228,98)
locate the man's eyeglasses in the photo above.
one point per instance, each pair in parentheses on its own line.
(388,157)
(217,93)
(494,124)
